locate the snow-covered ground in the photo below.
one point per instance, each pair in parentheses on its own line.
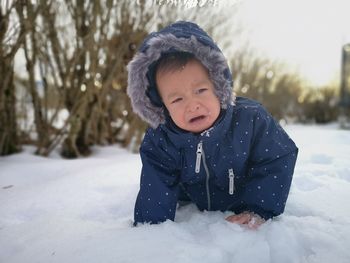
(55,210)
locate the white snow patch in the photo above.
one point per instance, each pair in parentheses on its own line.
(55,210)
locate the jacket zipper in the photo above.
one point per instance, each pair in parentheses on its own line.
(200,153)
(231,176)
(199,156)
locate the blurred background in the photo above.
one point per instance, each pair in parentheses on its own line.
(63,64)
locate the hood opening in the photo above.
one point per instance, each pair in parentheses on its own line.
(180,37)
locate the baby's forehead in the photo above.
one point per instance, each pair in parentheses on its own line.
(193,72)
(193,64)
(176,61)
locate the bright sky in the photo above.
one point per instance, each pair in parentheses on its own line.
(308,34)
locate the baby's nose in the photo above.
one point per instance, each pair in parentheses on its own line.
(193,106)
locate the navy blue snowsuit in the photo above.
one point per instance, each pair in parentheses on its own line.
(244,162)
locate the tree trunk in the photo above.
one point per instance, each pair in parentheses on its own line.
(8,126)
(9,142)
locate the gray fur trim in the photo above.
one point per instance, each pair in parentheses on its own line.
(212,59)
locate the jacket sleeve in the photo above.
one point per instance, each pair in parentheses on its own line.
(157,197)
(270,169)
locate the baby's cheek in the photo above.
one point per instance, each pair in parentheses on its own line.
(178,118)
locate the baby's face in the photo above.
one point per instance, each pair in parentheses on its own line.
(189,96)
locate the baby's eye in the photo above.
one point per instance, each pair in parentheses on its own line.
(176,100)
(199,91)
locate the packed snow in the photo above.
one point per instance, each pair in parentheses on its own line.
(57,210)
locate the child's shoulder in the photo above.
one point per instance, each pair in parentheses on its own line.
(158,138)
(247,106)
(246,102)
(153,135)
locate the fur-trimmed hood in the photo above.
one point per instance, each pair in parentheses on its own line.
(179,36)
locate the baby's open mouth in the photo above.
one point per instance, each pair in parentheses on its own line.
(198,118)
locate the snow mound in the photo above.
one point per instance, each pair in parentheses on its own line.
(55,210)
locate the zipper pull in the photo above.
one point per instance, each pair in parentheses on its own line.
(199,156)
(231,176)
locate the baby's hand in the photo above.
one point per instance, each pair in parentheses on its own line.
(251,220)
